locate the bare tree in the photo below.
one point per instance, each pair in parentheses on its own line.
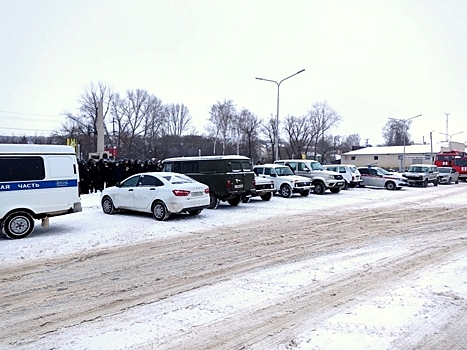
(395,131)
(300,132)
(178,119)
(249,126)
(220,118)
(268,128)
(322,117)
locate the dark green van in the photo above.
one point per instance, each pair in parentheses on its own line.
(229,177)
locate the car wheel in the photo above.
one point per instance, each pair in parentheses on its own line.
(436,182)
(457,181)
(335,190)
(305,193)
(234,201)
(18,225)
(194,212)
(319,188)
(425,183)
(108,206)
(246,199)
(390,185)
(286,191)
(160,212)
(266,196)
(214,201)
(346,185)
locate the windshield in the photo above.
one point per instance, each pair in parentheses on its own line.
(460,161)
(444,170)
(316,166)
(384,172)
(418,169)
(284,170)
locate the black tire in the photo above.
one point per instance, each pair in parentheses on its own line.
(286,191)
(234,201)
(319,188)
(267,196)
(18,225)
(436,182)
(159,211)
(425,183)
(195,212)
(108,206)
(335,190)
(390,186)
(214,201)
(305,193)
(346,185)
(246,199)
(457,181)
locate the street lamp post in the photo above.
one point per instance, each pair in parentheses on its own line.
(451,135)
(404,121)
(276,145)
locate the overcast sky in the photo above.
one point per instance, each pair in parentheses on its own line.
(369,59)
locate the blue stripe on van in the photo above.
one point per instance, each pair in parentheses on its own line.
(36,185)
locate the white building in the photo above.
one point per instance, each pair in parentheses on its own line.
(392,157)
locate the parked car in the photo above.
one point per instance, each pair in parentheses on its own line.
(284,179)
(264,188)
(321,178)
(159,193)
(349,172)
(422,175)
(448,175)
(374,176)
(229,177)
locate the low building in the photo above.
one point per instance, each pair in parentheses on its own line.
(391,157)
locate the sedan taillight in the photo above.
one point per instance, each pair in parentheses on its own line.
(206,190)
(181,193)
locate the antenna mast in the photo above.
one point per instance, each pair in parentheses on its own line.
(447,123)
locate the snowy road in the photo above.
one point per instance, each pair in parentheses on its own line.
(363,269)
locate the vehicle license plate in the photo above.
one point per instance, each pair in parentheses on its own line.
(238,186)
(197,194)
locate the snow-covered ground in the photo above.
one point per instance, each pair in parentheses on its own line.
(369,322)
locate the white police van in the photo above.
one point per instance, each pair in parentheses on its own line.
(36,182)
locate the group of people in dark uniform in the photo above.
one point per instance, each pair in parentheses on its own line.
(95,175)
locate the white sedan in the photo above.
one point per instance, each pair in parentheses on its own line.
(159,193)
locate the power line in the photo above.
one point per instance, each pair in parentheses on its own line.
(33,114)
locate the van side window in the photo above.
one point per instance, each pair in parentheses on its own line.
(22,168)
(189,167)
(60,167)
(177,167)
(246,166)
(301,166)
(236,166)
(167,167)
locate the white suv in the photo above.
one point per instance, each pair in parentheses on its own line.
(349,172)
(321,178)
(284,179)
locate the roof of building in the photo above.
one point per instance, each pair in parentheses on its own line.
(409,149)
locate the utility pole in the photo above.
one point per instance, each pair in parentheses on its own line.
(447,123)
(100,128)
